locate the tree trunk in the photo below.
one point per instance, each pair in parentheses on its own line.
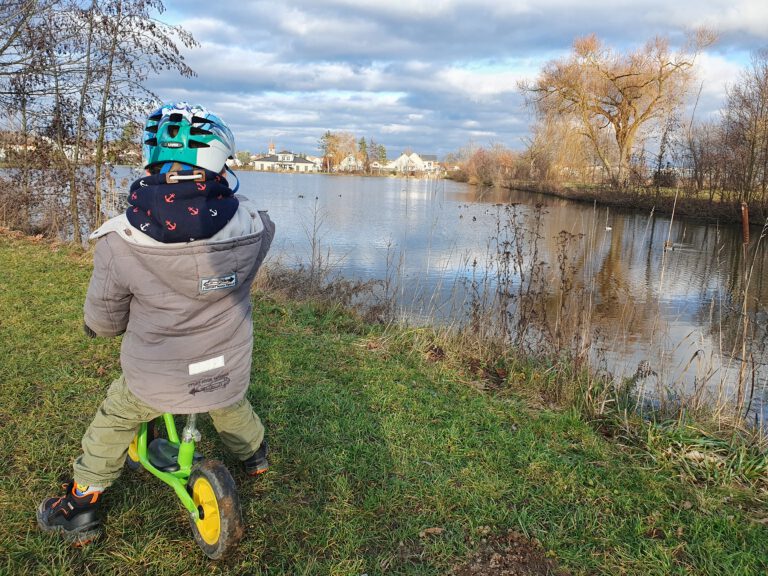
(74,214)
(77,238)
(25,188)
(99,159)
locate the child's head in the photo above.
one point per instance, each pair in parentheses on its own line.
(186,135)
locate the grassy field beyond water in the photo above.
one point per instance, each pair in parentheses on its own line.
(383,462)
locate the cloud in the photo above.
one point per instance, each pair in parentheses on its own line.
(732,18)
(416,74)
(715,74)
(480,85)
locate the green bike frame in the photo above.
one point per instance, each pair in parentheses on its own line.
(178,478)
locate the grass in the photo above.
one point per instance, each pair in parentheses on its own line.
(724,206)
(373,444)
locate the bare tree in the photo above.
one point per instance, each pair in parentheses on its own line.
(706,156)
(557,151)
(70,79)
(745,123)
(132,45)
(346,145)
(335,146)
(15,19)
(605,90)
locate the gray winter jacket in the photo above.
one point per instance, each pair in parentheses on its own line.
(185,310)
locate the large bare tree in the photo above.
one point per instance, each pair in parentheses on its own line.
(602,90)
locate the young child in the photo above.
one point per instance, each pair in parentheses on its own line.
(173,275)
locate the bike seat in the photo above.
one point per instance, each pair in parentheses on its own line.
(164,456)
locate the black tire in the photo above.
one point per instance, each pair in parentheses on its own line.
(220,526)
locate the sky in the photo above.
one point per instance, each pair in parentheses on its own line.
(428,76)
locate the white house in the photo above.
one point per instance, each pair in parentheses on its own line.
(283,161)
(350,164)
(430,163)
(409,163)
(316,160)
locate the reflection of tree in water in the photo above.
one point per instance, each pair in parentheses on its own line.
(739,320)
(626,290)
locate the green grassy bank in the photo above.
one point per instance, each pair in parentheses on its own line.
(720,208)
(383,462)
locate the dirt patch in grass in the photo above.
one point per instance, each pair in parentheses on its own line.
(510,554)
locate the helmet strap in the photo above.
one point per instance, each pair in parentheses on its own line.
(237,180)
(175,166)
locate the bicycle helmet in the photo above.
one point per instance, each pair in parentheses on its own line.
(188,134)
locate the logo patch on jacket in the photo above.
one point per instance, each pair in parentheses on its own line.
(210,384)
(218,283)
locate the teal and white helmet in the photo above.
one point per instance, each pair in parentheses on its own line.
(188,134)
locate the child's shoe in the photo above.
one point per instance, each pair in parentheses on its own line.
(257,462)
(74,516)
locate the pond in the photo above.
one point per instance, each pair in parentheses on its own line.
(663,295)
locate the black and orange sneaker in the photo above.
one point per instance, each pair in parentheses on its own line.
(76,518)
(257,463)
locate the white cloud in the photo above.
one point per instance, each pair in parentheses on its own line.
(203,27)
(478,85)
(734,16)
(396,129)
(715,73)
(484,134)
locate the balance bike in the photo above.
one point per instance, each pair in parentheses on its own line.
(205,487)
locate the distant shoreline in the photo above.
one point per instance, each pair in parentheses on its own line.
(699,209)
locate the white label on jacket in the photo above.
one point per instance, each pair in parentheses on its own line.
(206,365)
(228,281)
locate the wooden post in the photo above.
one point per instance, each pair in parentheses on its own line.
(744,310)
(745,222)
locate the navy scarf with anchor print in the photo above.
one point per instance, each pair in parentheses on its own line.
(181,206)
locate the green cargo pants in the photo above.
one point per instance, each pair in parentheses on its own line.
(117,420)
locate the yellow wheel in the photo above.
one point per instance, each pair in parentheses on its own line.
(220,525)
(132,460)
(209,523)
